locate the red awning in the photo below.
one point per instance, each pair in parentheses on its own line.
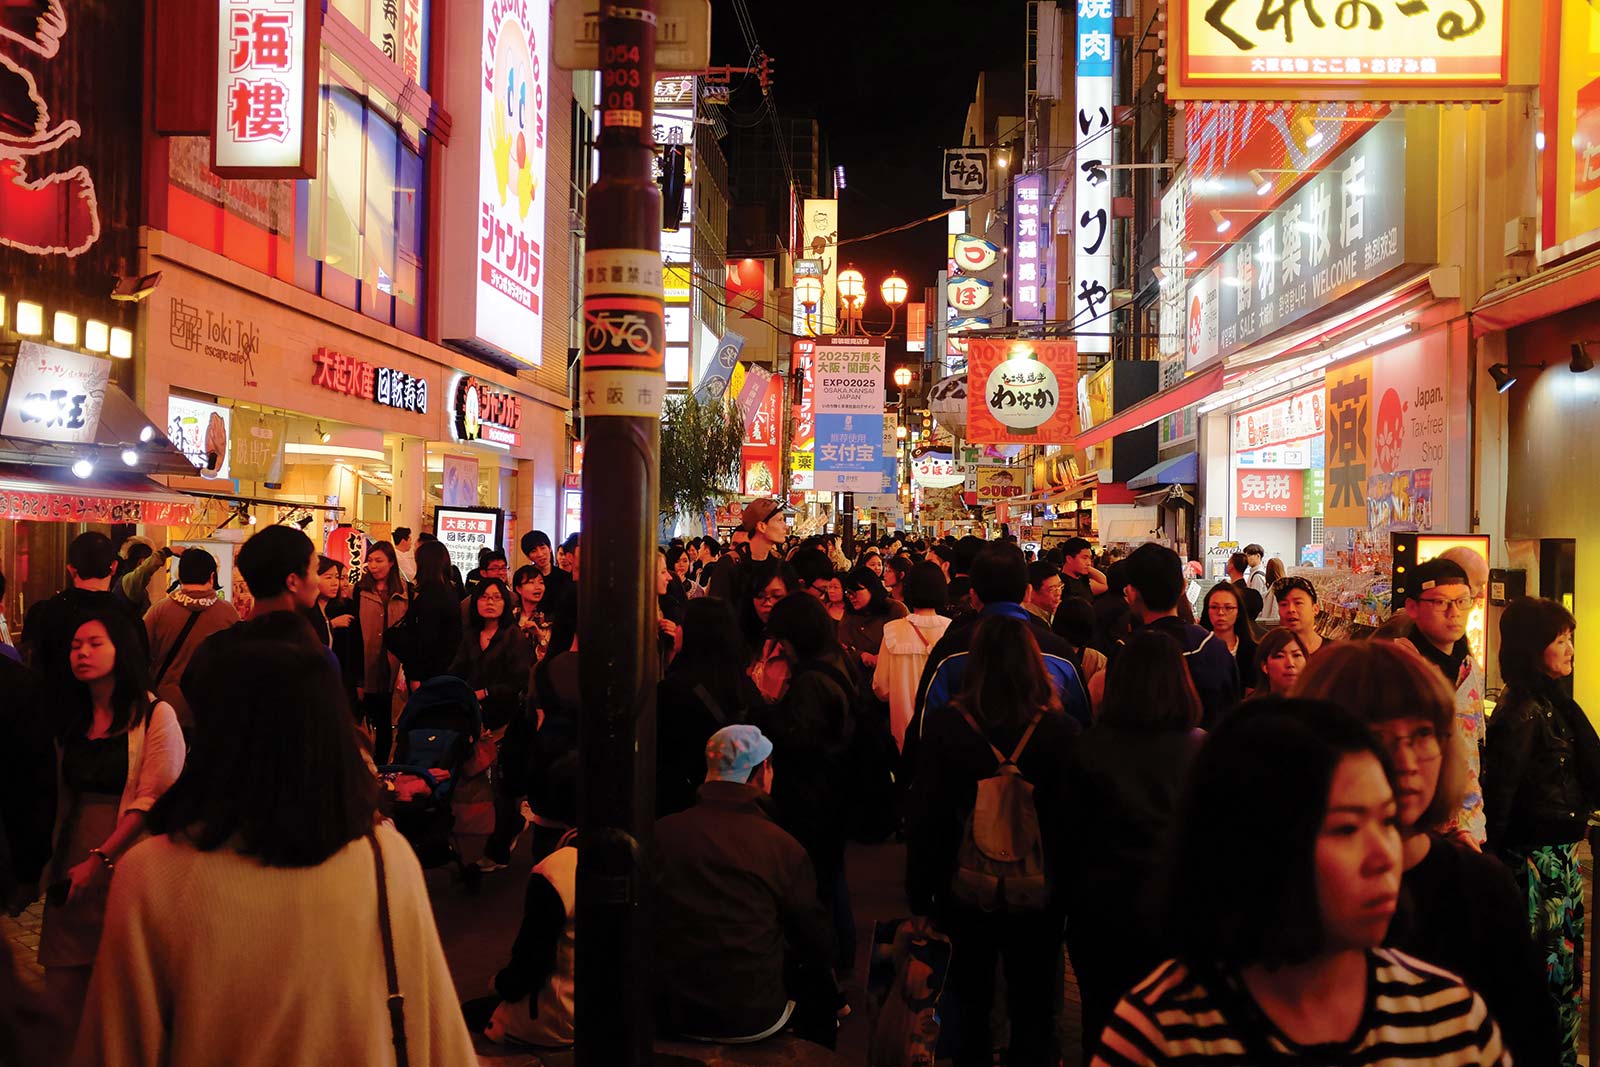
(1547,293)
(1191,390)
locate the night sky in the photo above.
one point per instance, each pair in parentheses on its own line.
(890,81)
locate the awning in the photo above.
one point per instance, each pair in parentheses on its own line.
(1191,390)
(36,494)
(1180,470)
(1549,292)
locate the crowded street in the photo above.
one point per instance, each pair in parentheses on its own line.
(1008,534)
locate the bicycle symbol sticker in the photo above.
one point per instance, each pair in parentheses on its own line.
(622,331)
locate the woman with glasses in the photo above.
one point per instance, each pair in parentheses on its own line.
(1541,779)
(770,581)
(869,609)
(1224,614)
(1458,908)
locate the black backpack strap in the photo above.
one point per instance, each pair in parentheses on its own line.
(177,646)
(704,696)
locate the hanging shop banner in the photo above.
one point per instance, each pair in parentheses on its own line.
(493,274)
(465,530)
(1027,394)
(804,353)
(1571,171)
(459,483)
(1028,247)
(1348,456)
(46,506)
(1408,479)
(1269,494)
(757,383)
(55,395)
(1367,214)
(972,254)
(204,434)
(849,421)
(760,455)
(819,234)
(917,327)
(268,55)
(947,402)
(719,369)
(937,470)
(1234,50)
(1091,229)
(966,173)
(1293,420)
(891,455)
(999,484)
(968,294)
(256,452)
(1174,202)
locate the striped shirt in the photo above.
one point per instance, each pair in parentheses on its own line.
(1415,1014)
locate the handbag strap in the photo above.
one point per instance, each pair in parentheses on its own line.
(177,646)
(397,1002)
(920,635)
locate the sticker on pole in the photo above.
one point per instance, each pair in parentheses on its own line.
(622,392)
(629,271)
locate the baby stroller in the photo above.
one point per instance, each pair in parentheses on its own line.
(433,741)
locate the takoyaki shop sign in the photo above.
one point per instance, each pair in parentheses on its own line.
(999,483)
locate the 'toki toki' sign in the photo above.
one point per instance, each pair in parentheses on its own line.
(268,53)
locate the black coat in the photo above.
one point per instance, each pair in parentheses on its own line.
(950,761)
(501,670)
(1541,769)
(28,789)
(693,702)
(48,627)
(438,631)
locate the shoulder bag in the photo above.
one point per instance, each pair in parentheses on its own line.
(177,646)
(397,1003)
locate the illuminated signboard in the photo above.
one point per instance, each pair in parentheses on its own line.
(819,222)
(464,530)
(1283,50)
(267,59)
(1571,160)
(1027,249)
(55,395)
(340,373)
(480,412)
(1091,236)
(495,238)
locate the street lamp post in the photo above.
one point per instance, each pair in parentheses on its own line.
(853,297)
(902,381)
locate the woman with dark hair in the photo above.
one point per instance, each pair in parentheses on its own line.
(678,559)
(118,751)
(894,576)
(1269,608)
(705,689)
(437,632)
(493,658)
(769,581)
(1459,909)
(1279,659)
(336,622)
(1007,714)
(382,600)
(1123,786)
(527,587)
(669,613)
(1285,873)
(830,590)
(868,608)
(305,893)
(1074,623)
(907,643)
(1541,779)
(1225,614)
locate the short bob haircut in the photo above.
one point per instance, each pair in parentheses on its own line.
(1274,641)
(1149,689)
(1527,627)
(924,585)
(1381,681)
(284,780)
(1242,886)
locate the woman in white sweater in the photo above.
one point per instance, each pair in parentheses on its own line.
(266,922)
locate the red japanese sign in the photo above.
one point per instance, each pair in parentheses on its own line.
(71,507)
(268,53)
(805,419)
(1022,392)
(340,373)
(1269,494)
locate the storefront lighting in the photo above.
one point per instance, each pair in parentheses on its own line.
(121,343)
(64,330)
(1231,281)
(96,336)
(147,434)
(1502,376)
(130,458)
(894,290)
(1308,131)
(1261,182)
(83,468)
(299,448)
(1224,224)
(1538,140)
(1581,360)
(1191,255)
(323,435)
(30,318)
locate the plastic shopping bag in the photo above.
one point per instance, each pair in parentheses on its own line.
(905,978)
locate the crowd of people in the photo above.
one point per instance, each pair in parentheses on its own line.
(1254,843)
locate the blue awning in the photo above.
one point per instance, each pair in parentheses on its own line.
(1180,470)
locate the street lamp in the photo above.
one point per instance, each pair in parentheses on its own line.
(853,296)
(808,290)
(902,377)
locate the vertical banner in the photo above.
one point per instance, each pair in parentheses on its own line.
(917,327)
(849,424)
(746,287)
(1022,392)
(760,453)
(891,454)
(801,460)
(1091,232)
(268,58)
(1411,444)
(753,392)
(719,369)
(1349,407)
(1028,246)
(819,224)
(1571,162)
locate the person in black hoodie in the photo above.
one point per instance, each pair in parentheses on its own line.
(48,626)
(436,631)
(705,689)
(1155,584)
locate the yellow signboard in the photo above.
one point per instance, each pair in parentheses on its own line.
(1354,50)
(1571,159)
(678,284)
(1349,451)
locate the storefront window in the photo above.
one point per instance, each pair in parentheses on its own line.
(398,27)
(364,211)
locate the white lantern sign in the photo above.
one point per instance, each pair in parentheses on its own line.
(1022,393)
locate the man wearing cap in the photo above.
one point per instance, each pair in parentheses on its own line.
(765,520)
(1297,611)
(742,944)
(1439,601)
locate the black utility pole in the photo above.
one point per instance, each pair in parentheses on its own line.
(623,385)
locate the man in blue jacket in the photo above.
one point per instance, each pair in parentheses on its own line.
(1155,584)
(999,582)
